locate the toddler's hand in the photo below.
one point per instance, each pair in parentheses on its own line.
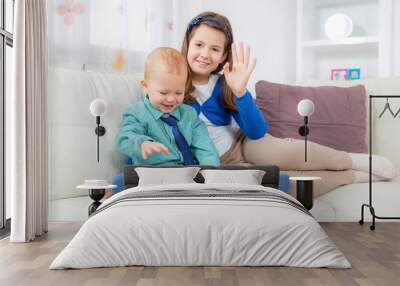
(108,194)
(238,75)
(149,147)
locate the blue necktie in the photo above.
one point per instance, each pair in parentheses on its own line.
(183,146)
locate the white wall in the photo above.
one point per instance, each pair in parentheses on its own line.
(396,38)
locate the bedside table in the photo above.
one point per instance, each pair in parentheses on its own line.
(304,190)
(96,190)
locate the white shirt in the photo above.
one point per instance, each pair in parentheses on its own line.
(222,136)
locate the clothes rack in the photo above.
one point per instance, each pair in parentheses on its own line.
(369,205)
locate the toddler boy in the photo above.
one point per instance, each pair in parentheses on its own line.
(162,130)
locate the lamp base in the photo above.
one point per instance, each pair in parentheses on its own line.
(305,193)
(96,195)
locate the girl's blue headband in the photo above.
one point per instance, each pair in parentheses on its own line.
(205,19)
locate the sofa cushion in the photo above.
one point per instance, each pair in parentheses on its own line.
(339,120)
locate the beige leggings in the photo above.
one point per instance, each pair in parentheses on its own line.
(334,167)
(288,154)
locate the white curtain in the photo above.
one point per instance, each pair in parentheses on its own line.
(97,49)
(112,36)
(27,123)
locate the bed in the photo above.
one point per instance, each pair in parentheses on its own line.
(198,224)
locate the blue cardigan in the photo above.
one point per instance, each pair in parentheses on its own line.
(249,117)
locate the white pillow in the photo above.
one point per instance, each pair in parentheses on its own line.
(165,176)
(248,177)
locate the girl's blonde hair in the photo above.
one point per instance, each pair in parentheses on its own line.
(220,23)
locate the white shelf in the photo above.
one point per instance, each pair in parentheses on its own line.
(330,3)
(369,47)
(358,41)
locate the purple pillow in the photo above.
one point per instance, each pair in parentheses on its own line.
(339,119)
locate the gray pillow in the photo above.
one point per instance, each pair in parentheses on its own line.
(248,177)
(165,176)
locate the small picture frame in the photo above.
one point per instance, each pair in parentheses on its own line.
(339,74)
(354,74)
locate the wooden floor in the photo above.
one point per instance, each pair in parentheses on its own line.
(374,255)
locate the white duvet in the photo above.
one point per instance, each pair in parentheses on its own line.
(206,230)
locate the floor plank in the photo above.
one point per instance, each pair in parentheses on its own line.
(374,255)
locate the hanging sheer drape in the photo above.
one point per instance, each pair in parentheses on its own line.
(97,50)
(27,123)
(112,36)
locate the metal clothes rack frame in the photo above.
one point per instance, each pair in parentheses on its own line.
(369,205)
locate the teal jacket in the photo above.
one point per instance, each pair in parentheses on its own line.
(141,122)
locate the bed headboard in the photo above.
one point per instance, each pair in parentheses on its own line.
(270,179)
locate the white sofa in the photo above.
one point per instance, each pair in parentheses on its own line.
(72,143)
(344,203)
(72,140)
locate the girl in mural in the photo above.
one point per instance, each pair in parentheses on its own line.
(218,75)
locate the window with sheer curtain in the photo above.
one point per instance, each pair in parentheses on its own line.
(97,49)
(115,32)
(105,35)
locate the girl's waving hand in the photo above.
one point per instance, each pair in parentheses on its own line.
(238,75)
